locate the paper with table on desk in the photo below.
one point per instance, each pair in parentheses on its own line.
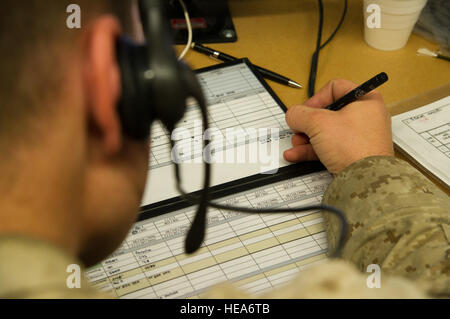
(255,251)
(236,99)
(423,134)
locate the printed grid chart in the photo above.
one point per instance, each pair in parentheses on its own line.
(236,100)
(434,127)
(257,252)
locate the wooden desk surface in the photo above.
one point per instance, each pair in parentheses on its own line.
(280,35)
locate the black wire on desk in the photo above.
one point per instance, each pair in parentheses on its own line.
(315,57)
(338,26)
(196,233)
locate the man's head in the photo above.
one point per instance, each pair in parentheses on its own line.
(69,174)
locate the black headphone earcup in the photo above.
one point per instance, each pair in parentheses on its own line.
(134,106)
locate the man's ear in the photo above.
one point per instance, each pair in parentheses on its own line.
(103,82)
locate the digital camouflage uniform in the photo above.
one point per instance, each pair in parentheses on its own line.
(397,219)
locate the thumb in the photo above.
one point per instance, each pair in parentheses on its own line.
(303,119)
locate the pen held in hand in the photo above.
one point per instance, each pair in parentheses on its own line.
(359,92)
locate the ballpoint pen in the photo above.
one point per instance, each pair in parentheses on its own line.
(359,92)
(226,58)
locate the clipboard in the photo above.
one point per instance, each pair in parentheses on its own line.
(241,184)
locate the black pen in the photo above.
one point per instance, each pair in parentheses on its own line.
(226,58)
(360,91)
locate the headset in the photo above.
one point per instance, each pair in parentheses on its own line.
(155,86)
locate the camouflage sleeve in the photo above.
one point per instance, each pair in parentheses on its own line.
(397,219)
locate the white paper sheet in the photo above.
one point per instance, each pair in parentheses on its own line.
(424,134)
(236,99)
(256,252)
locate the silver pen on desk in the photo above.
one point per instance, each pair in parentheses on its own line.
(227,58)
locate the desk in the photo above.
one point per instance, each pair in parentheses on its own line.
(281,35)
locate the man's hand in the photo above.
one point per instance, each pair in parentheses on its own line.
(338,139)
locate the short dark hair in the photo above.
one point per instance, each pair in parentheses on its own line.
(33,37)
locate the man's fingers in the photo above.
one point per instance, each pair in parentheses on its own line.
(331,92)
(303,119)
(297,118)
(299,139)
(300,153)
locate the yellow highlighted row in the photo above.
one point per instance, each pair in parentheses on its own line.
(159,277)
